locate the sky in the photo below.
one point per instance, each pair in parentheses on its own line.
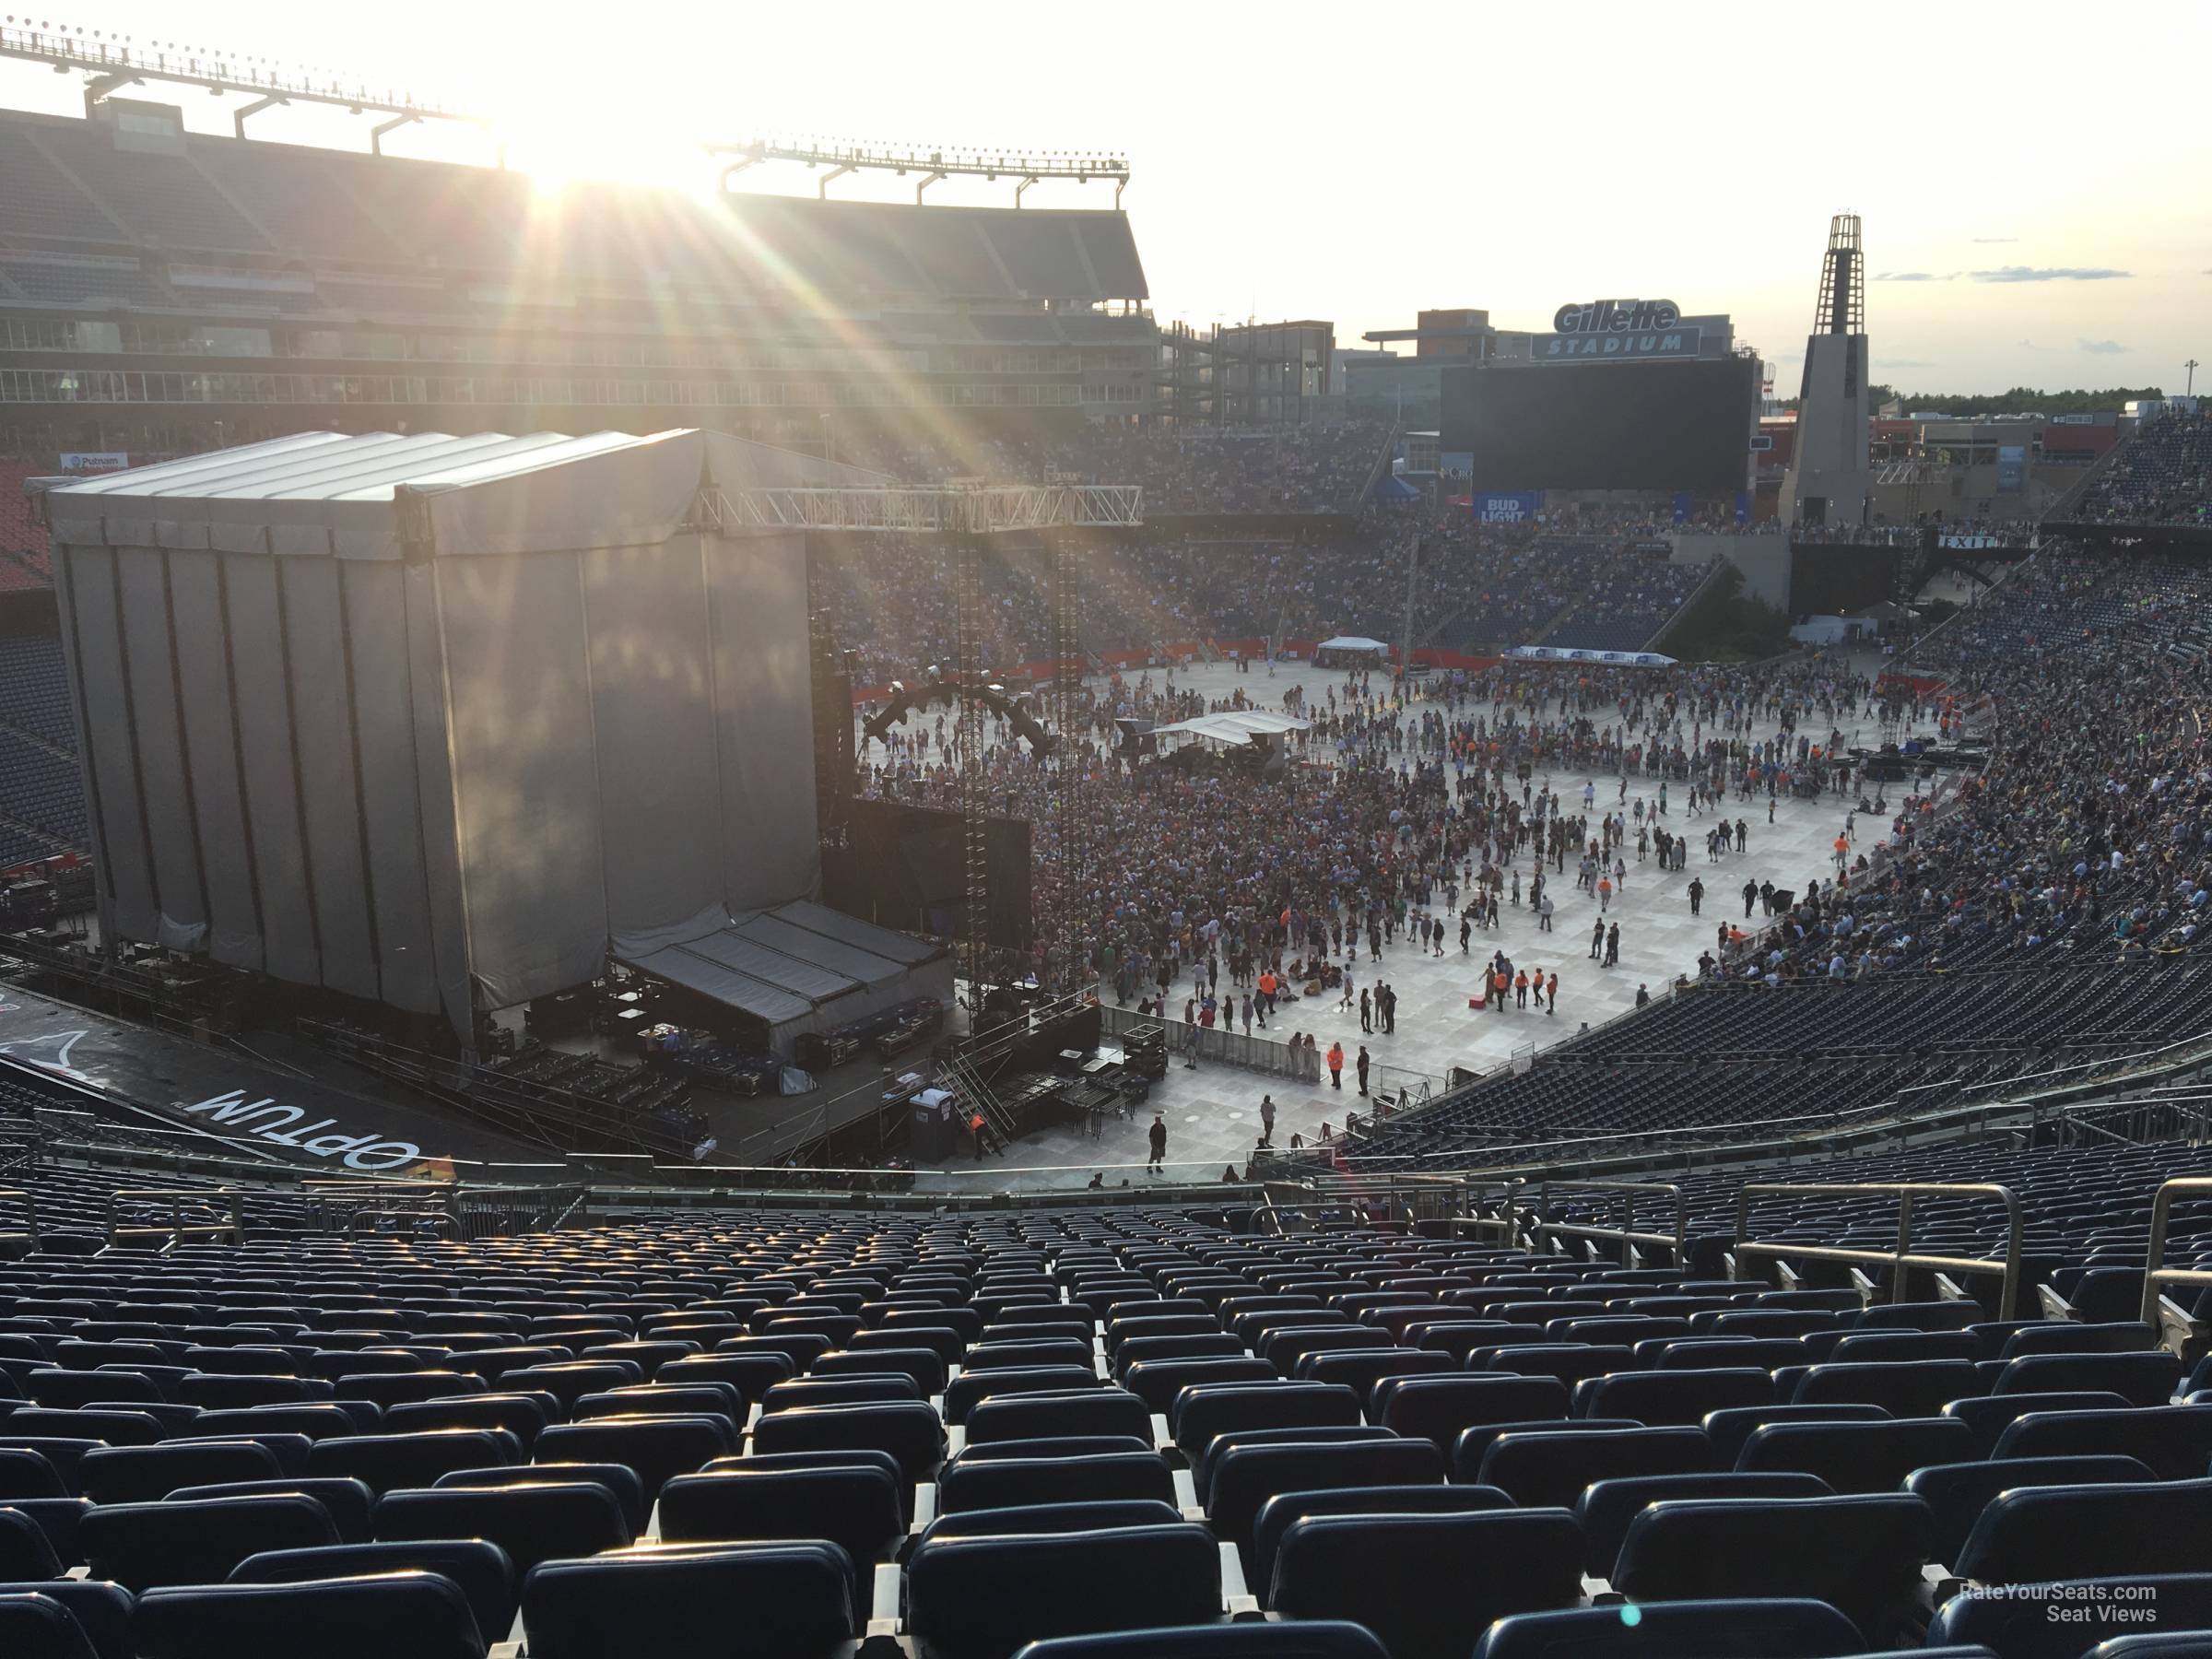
(2035,179)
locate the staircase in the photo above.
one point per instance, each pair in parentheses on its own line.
(959,1077)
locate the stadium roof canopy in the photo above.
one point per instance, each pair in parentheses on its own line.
(1351,642)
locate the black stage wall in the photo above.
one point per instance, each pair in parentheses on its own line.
(905,866)
(1673,426)
(1835,579)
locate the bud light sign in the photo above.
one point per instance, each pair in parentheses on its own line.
(1506,507)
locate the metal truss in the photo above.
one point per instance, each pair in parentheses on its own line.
(115,61)
(932,164)
(988,510)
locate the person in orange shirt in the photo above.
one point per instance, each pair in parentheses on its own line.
(1521,988)
(1335,1066)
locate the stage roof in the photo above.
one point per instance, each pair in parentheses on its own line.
(784,963)
(1351,642)
(331,495)
(1240,725)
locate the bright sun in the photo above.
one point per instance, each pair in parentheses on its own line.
(556,140)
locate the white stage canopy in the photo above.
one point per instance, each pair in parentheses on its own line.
(1238,726)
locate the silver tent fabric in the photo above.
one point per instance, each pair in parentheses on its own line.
(433,720)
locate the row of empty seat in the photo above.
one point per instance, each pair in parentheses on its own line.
(789,1432)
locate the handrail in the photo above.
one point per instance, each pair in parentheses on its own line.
(232,1231)
(1902,1259)
(1625,1235)
(31,1215)
(2157,1275)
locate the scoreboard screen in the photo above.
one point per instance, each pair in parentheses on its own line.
(1652,425)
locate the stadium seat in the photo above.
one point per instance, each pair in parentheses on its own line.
(1551,1469)
(2029,1534)
(532,1523)
(1308,1639)
(1856,1457)
(1427,1585)
(326,1619)
(348,1502)
(481,1570)
(1959,1492)
(855,1507)
(1862,1555)
(2021,1626)
(986,1596)
(38,1627)
(103,1611)
(1753,1628)
(141,1546)
(1604,1508)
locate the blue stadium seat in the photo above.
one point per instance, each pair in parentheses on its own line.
(855,1507)
(2141,1379)
(984,1597)
(1857,1457)
(37,1627)
(1552,1469)
(1308,1639)
(2022,1627)
(1437,1408)
(328,1619)
(1279,1513)
(2029,1534)
(1427,1585)
(1604,1508)
(1752,1628)
(1672,1397)
(1862,1555)
(387,1461)
(480,1569)
(619,1479)
(348,1502)
(1245,1476)
(137,1474)
(655,1446)
(1990,1415)
(532,1523)
(1001,1483)
(1089,1411)
(103,1611)
(140,1546)
(2174,1441)
(1959,1492)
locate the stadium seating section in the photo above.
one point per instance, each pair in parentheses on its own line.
(1730,1057)
(1114,1431)
(41,789)
(2162,475)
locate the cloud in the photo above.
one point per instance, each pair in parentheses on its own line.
(1904,363)
(2101,347)
(2027,346)
(1908,276)
(1996,239)
(2048,273)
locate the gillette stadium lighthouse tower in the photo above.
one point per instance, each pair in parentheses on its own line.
(1828,481)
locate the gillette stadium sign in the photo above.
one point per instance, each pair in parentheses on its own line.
(1615,330)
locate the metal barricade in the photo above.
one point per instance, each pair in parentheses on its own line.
(1625,1235)
(1902,1260)
(232,1231)
(2158,1276)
